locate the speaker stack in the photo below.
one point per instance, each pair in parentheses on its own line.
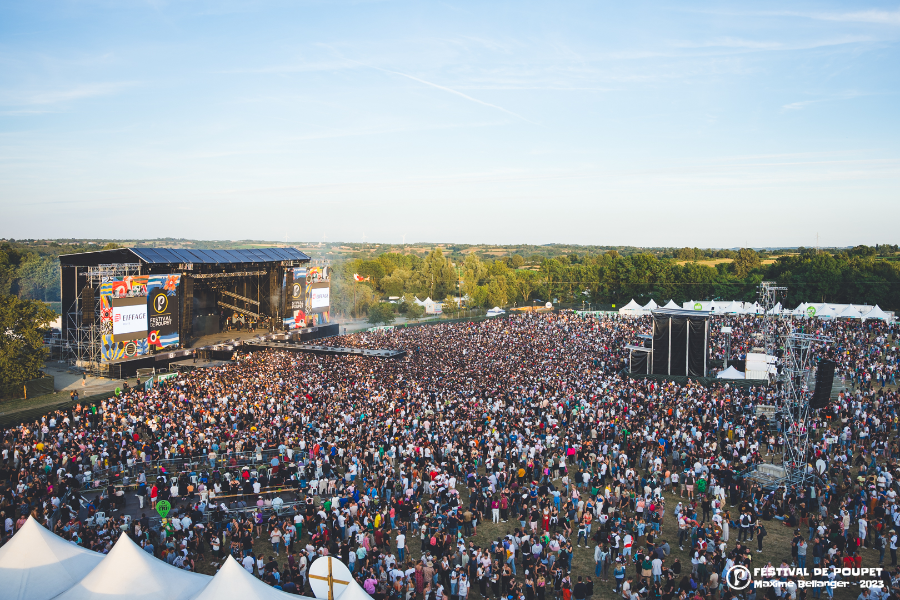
(87,305)
(824,381)
(187,321)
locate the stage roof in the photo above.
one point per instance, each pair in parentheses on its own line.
(162,256)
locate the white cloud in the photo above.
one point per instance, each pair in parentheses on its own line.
(884,17)
(60,96)
(798,105)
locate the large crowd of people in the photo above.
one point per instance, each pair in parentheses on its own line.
(524,427)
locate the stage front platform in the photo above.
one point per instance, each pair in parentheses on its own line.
(322,350)
(197,363)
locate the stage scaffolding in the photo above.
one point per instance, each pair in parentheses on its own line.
(83,348)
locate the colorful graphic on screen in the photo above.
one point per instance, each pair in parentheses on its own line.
(137,313)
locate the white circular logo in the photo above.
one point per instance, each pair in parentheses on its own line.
(738,577)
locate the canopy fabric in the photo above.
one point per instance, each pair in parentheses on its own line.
(129,573)
(703,305)
(751,308)
(877,313)
(651,305)
(850,313)
(671,304)
(800,311)
(631,308)
(233,582)
(38,565)
(734,308)
(353,591)
(824,311)
(730,373)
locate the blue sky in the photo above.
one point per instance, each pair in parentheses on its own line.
(667,123)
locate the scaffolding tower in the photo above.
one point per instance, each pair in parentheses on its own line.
(769,296)
(84,339)
(794,394)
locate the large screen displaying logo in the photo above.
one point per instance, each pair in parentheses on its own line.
(308,298)
(162,306)
(319,297)
(136,313)
(129,318)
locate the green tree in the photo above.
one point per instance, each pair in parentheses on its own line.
(22,352)
(381,312)
(439,276)
(414,311)
(745,261)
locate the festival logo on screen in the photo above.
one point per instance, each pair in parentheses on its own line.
(133,316)
(162,308)
(308,297)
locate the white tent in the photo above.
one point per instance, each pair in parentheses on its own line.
(877,313)
(128,572)
(38,565)
(775,310)
(752,308)
(632,308)
(730,373)
(650,305)
(353,591)
(800,311)
(233,582)
(732,308)
(850,313)
(826,311)
(697,305)
(671,304)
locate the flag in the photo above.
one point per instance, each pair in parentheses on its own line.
(359,277)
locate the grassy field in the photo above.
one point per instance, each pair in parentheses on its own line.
(776,548)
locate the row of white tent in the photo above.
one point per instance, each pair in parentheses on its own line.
(721,307)
(38,565)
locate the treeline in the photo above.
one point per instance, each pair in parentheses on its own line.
(855,276)
(31,271)
(863,274)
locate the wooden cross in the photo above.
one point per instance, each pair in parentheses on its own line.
(330,579)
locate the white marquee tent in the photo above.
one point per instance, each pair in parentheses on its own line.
(233,582)
(650,305)
(632,308)
(730,373)
(129,572)
(38,565)
(850,313)
(671,304)
(876,313)
(734,308)
(825,311)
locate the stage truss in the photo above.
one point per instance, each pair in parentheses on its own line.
(769,296)
(795,393)
(83,346)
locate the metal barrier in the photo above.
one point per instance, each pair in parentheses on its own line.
(260,460)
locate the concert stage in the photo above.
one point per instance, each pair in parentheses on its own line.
(130,308)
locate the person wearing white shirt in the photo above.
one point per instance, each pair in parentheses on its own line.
(248,563)
(401,547)
(656,569)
